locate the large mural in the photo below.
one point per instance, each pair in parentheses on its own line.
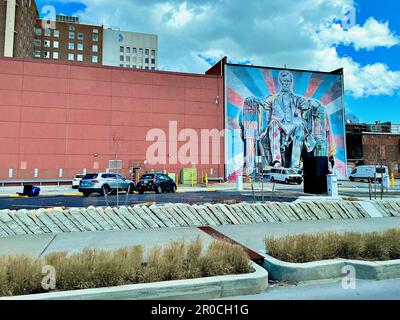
(276,117)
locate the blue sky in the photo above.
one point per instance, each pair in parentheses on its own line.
(193,34)
(383,107)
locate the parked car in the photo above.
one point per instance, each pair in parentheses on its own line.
(157,182)
(76,180)
(369,172)
(105,183)
(285,175)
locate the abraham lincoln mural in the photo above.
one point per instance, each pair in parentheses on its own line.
(281,116)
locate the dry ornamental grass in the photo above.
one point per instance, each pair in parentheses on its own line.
(90,268)
(374,246)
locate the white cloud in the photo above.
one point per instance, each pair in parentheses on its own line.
(271,33)
(371,35)
(361,81)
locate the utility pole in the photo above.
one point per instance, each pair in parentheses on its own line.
(115,141)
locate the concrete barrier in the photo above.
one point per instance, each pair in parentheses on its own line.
(330,269)
(183,215)
(193,289)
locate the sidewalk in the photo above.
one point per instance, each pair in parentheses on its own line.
(249,235)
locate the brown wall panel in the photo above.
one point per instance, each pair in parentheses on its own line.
(10,113)
(65,115)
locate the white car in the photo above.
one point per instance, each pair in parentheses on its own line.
(285,175)
(369,172)
(75,181)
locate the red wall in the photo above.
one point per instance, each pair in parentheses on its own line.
(58,115)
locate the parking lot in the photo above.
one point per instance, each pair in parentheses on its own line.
(65,196)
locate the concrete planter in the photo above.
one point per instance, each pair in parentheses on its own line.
(194,289)
(330,269)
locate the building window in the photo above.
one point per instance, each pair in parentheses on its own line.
(71,46)
(153,61)
(128,59)
(95,31)
(55,55)
(37,54)
(153,68)
(146,60)
(47,43)
(147,52)
(38,31)
(121,49)
(140,51)
(121,58)
(80,36)
(153,52)
(147,68)
(95,37)
(134,66)
(38,43)
(79,57)
(55,44)
(95,59)
(80,46)
(128,65)
(46,54)
(72,35)
(56,33)
(71,57)
(47,32)
(95,48)
(128,50)
(134,50)
(121,65)
(71,28)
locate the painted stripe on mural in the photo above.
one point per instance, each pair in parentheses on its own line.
(269,81)
(236,84)
(313,85)
(246,79)
(234,98)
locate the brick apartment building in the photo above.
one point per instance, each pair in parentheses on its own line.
(17,21)
(374,144)
(69,41)
(24,35)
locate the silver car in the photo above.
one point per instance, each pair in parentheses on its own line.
(105,183)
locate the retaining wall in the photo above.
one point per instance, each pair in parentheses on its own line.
(57,220)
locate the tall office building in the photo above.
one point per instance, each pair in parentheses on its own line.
(129,49)
(17,21)
(68,40)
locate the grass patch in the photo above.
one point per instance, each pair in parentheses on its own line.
(374,246)
(91,268)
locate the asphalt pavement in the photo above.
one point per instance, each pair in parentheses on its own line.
(65,196)
(330,290)
(147,198)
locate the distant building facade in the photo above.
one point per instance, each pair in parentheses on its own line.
(377,143)
(68,41)
(17,21)
(24,35)
(130,49)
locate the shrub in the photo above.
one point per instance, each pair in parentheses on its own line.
(322,246)
(100,268)
(19,274)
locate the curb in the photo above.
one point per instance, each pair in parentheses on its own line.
(194,289)
(330,269)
